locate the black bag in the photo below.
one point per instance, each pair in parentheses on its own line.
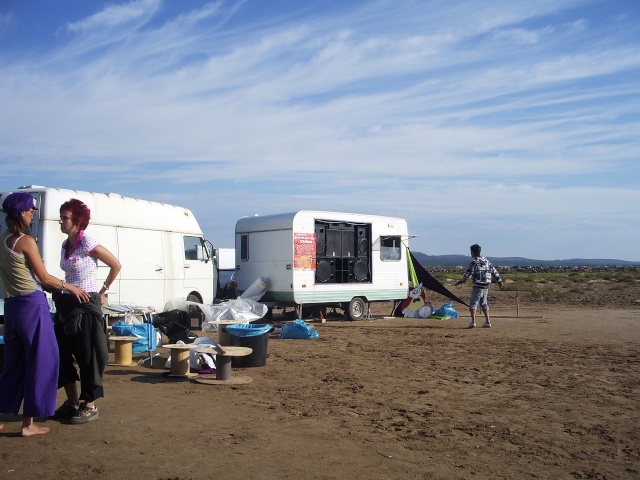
(176,332)
(172,316)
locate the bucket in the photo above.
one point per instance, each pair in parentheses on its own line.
(254,336)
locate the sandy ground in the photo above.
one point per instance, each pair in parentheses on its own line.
(552,394)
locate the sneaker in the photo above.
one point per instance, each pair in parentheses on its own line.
(66,410)
(84,414)
(486,325)
(472,325)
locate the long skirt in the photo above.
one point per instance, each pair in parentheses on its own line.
(30,374)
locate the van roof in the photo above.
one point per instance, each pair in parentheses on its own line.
(116,210)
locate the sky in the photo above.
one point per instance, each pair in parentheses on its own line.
(513,124)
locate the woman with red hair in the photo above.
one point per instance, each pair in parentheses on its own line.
(80,328)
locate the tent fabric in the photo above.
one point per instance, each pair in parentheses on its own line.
(431,283)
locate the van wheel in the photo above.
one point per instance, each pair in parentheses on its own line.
(194,297)
(356,309)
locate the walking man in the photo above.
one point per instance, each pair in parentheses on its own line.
(482,271)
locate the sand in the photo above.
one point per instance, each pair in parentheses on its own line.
(552,394)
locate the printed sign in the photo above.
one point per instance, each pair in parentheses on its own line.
(304,251)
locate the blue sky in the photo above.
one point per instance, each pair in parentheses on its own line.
(513,124)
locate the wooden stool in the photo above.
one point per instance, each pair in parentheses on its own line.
(180,355)
(123,350)
(223,365)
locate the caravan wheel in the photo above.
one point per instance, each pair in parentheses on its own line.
(356,309)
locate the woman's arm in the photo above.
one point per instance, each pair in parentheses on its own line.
(109,259)
(29,248)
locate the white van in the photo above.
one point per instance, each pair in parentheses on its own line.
(316,258)
(163,252)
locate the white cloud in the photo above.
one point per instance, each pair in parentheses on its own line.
(521,36)
(422,109)
(115,16)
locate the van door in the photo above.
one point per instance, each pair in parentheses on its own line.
(143,267)
(198,267)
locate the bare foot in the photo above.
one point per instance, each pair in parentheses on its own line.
(1,426)
(34,430)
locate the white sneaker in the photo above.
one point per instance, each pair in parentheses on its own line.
(486,325)
(472,325)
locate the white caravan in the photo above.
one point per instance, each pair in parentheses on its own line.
(319,259)
(163,252)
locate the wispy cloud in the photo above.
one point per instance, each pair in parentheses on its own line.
(116,16)
(528,110)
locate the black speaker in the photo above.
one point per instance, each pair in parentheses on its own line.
(348,243)
(321,240)
(334,243)
(363,242)
(325,270)
(359,270)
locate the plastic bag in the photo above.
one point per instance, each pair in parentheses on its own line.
(202,360)
(256,290)
(298,329)
(445,311)
(197,360)
(240,309)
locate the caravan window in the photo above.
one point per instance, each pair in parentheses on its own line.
(193,248)
(244,247)
(390,248)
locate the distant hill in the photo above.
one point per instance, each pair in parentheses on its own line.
(463,261)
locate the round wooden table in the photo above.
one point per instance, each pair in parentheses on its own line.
(223,337)
(223,365)
(180,355)
(123,350)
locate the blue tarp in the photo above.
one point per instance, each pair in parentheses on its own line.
(446,311)
(144,331)
(298,329)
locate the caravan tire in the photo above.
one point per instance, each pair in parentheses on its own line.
(356,309)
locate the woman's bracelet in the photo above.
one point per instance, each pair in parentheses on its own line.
(62,287)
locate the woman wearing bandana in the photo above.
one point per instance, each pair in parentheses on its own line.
(30,373)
